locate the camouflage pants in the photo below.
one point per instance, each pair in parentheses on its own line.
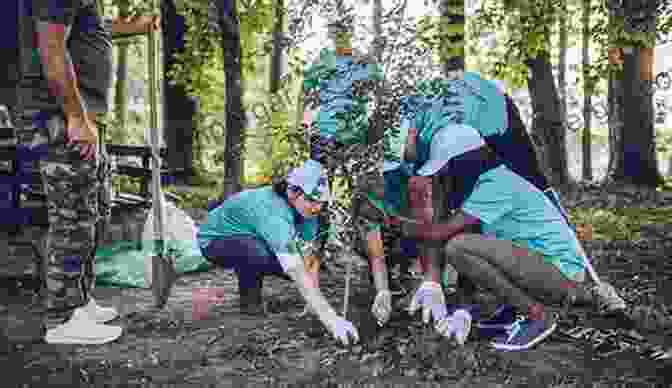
(73,189)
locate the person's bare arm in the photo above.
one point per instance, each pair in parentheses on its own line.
(59,70)
(376,253)
(136,25)
(443,231)
(411,148)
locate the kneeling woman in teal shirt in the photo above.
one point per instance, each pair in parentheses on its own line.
(265,231)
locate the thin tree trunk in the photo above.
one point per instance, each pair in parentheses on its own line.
(587,93)
(376,131)
(276,70)
(179,108)
(441,186)
(562,60)
(234,143)
(276,55)
(121,86)
(548,129)
(616,117)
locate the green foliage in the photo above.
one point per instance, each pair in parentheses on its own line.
(443,35)
(201,69)
(525,25)
(619,224)
(126,184)
(197,197)
(277,125)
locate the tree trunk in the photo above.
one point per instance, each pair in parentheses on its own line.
(633,155)
(275,73)
(616,98)
(548,129)
(562,60)
(377,131)
(277,53)
(441,186)
(179,108)
(234,138)
(639,160)
(587,93)
(121,86)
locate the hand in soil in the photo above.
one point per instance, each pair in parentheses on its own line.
(429,297)
(382,306)
(343,330)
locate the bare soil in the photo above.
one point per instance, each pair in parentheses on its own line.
(174,348)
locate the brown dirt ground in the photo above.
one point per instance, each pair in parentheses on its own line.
(169,348)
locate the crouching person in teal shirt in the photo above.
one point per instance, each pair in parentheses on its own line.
(266,231)
(527,254)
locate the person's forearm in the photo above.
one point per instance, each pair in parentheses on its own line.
(59,70)
(411,150)
(312,263)
(312,295)
(130,26)
(376,254)
(431,265)
(443,231)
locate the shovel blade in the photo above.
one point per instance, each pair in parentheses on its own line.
(163,278)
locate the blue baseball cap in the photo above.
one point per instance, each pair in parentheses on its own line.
(312,179)
(449,142)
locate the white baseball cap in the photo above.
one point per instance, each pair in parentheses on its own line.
(312,179)
(449,142)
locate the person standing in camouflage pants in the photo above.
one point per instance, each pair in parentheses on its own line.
(66,82)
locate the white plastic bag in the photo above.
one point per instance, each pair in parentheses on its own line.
(179,236)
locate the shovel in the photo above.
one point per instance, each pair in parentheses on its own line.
(163,264)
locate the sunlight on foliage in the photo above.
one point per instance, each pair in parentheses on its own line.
(619,224)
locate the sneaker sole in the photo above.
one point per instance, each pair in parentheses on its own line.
(163,278)
(529,345)
(106,319)
(70,340)
(79,341)
(498,326)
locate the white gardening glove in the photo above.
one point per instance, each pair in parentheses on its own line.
(430,297)
(457,325)
(343,330)
(306,311)
(382,306)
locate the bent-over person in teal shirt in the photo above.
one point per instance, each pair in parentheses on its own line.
(267,231)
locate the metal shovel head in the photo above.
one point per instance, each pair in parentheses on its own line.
(163,278)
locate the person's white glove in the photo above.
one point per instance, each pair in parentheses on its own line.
(343,330)
(457,325)
(382,306)
(430,297)
(307,310)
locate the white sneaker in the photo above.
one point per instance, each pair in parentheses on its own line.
(99,314)
(82,330)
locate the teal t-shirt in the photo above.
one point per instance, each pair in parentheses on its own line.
(343,111)
(263,214)
(510,208)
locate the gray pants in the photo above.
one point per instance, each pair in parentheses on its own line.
(517,275)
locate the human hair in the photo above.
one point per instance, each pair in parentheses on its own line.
(280,188)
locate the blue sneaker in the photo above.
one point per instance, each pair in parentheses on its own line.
(525,333)
(501,321)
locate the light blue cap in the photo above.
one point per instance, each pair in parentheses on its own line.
(449,142)
(312,179)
